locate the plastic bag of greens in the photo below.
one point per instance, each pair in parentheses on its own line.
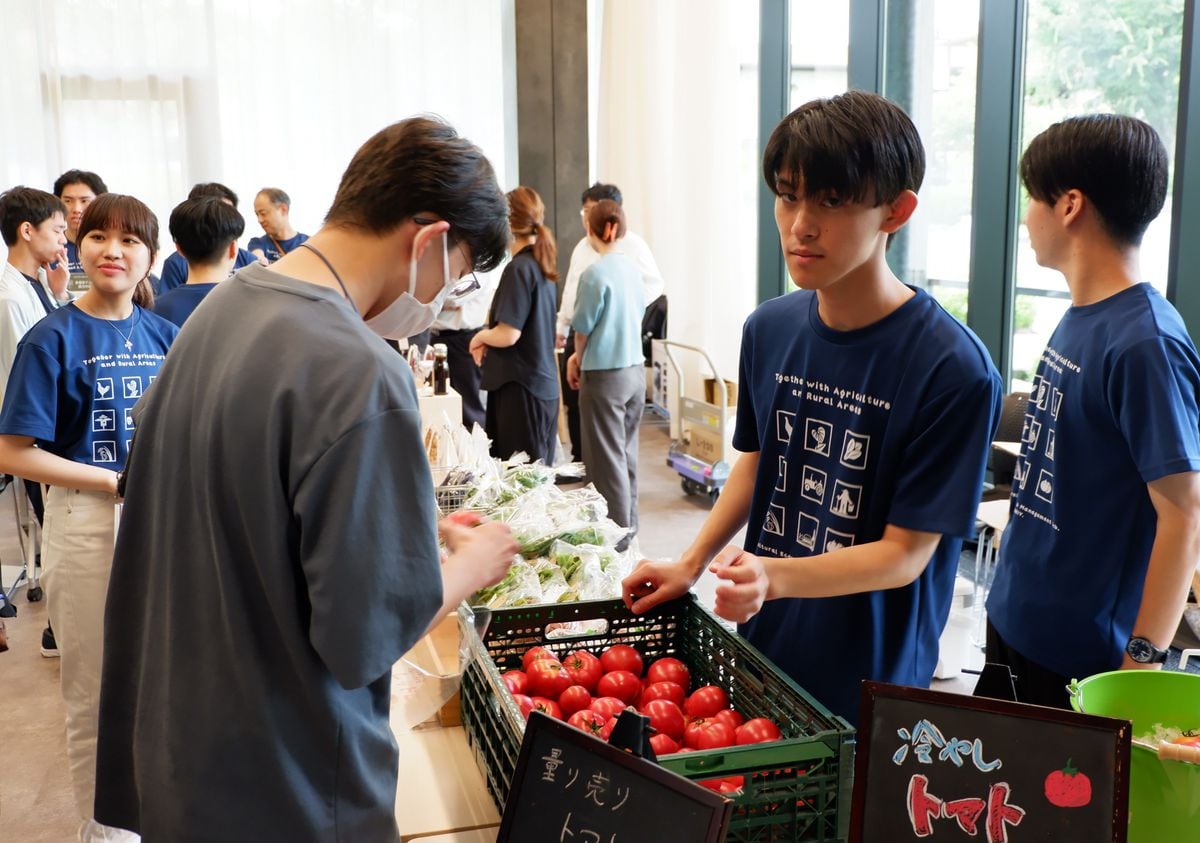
(520,587)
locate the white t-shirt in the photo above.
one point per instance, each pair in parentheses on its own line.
(633,247)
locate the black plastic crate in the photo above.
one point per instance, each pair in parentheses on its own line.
(796,789)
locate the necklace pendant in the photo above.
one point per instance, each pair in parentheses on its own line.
(128,345)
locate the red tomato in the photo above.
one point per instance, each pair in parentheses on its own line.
(1187,740)
(758,730)
(669,670)
(707,733)
(465,518)
(663,745)
(576,698)
(621,684)
(547,707)
(1068,788)
(584,668)
(524,703)
(548,678)
(727,786)
(516,681)
(665,717)
(607,706)
(533,654)
(730,718)
(706,701)
(587,721)
(622,657)
(662,691)
(609,725)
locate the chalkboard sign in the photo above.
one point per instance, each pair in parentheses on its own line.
(968,768)
(572,787)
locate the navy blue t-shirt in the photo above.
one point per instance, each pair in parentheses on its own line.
(175,270)
(887,424)
(78,281)
(269,248)
(177,305)
(1114,406)
(74,382)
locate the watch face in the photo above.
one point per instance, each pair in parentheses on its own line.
(1141,650)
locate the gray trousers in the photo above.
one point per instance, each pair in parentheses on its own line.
(610,407)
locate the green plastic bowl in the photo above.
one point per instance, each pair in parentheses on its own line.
(1164,796)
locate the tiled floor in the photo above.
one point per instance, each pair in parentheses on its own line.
(35,802)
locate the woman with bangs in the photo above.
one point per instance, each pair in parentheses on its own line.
(67,422)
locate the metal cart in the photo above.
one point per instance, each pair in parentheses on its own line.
(29,540)
(697,475)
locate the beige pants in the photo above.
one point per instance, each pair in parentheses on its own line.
(77,549)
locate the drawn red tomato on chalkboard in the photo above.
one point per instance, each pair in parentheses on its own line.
(1068,788)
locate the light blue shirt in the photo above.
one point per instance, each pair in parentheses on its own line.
(609,309)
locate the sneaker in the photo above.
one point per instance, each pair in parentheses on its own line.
(49,646)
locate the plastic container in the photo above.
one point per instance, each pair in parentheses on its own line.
(796,789)
(1164,796)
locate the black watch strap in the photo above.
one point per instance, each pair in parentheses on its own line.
(1142,651)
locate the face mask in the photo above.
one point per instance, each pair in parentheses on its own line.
(406,316)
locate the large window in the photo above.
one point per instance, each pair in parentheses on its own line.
(1083,57)
(818,36)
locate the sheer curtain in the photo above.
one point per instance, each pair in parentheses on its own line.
(677,132)
(155,95)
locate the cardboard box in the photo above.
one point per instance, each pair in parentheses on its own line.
(703,444)
(711,393)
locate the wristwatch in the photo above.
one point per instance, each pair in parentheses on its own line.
(1143,652)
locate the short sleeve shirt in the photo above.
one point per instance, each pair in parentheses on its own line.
(76,379)
(175,269)
(852,436)
(1115,405)
(178,304)
(525,300)
(609,310)
(271,248)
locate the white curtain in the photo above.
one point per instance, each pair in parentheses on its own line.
(155,95)
(677,132)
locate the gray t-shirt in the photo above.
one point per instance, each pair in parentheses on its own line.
(277,555)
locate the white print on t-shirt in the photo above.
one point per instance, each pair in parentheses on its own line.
(854,450)
(104,451)
(1045,486)
(128,445)
(806,533)
(104,389)
(133,386)
(1035,433)
(836,540)
(781,481)
(1020,473)
(812,485)
(129,418)
(846,499)
(1050,444)
(104,420)
(776,519)
(1042,395)
(817,436)
(1056,403)
(784,422)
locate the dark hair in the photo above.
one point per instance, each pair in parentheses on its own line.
(422,164)
(214,189)
(607,221)
(26,204)
(1119,163)
(526,215)
(277,196)
(599,191)
(70,177)
(124,213)
(203,229)
(857,145)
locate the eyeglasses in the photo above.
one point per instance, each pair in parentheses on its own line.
(466,285)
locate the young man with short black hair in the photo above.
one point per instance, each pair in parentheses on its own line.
(205,232)
(865,414)
(272,208)
(77,189)
(175,271)
(1105,528)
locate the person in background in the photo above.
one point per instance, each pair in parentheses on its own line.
(205,232)
(272,207)
(67,421)
(253,622)
(607,364)
(583,256)
(865,414)
(77,189)
(516,350)
(1105,527)
(174,272)
(33,226)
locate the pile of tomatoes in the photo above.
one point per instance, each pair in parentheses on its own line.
(589,692)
